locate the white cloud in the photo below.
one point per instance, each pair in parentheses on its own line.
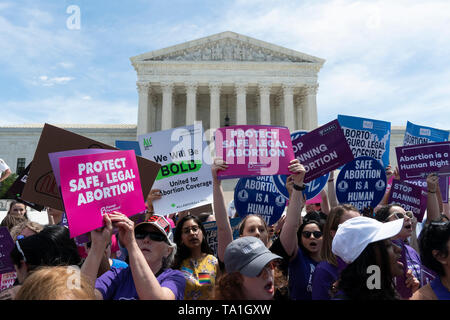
(50,82)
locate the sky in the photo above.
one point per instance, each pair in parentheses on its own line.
(385,60)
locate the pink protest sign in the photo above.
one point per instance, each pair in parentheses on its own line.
(254,150)
(97,184)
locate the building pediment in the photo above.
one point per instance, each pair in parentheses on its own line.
(227,46)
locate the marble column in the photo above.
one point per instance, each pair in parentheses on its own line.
(214,92)
(191,102)
(299,112)
(264,111)
(241,103)
(310,111)
(288,110)
(143,108)
(167,107)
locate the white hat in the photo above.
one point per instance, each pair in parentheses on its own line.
(353,236)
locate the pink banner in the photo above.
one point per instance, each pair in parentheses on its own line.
(254,150)
(96,184)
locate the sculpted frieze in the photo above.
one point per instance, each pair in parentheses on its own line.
(228,50)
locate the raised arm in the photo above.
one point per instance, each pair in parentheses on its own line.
(224,231)
(325,204)
(288,236)
(433,213)
(99,240)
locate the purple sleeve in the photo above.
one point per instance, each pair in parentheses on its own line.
(107,283)
(175,281)
(322,281)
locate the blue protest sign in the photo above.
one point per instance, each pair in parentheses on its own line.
(129,145)
(361,183)
(416,134)
(258,195)
(367,137)
(313,188)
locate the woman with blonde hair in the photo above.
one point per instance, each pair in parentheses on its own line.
(56,283)
(25,229)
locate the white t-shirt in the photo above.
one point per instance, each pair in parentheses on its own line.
(3,166)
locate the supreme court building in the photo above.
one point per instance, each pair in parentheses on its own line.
(226,79)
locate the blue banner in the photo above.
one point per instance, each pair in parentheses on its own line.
(361,183)
(211,232)
(258,195)
(367,137)
(129,145)
(416,134)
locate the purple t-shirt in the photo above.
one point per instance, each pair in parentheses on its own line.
(301,271)
(324,276)
(118,284)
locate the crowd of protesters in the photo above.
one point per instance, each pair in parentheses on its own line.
(329,251)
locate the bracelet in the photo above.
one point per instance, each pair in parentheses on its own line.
(331,180)
(431,191)
(299,188)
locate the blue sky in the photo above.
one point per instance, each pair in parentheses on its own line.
(386,60)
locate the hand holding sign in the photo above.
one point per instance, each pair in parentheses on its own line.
(218,164)
(102,236)
(432,182)
(125,226)
(298,171)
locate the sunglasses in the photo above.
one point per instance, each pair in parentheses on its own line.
(155,236)
(399,215)
(316,234)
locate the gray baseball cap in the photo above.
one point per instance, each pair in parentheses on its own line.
(248,256)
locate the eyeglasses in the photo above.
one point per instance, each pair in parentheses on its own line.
(316,234)
(399,215)
(188,230)
(155,236)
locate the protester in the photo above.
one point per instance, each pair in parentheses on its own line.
(372,259)
(107,262)
(413,266)
(150,253)
(12,220)
(195,259)
(326,272)
(249,273)
(50,247)
(434,242)
(56,283)
(25,229)
(17,208)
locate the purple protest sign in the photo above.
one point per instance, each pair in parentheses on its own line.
(54,158)
(322,150)
(443,187)
(417,161)
(6,246)
(253,150)
(410,197)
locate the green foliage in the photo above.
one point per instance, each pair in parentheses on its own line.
(6,184)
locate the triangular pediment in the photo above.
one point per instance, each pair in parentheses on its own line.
(227,46)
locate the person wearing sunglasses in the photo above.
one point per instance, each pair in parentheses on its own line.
(195,259)
(407,283)
(434,242)
(150,250)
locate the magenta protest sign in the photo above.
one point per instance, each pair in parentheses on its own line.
(410,197)
(254,150)
(322,150)
(417,161)
(96,184)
